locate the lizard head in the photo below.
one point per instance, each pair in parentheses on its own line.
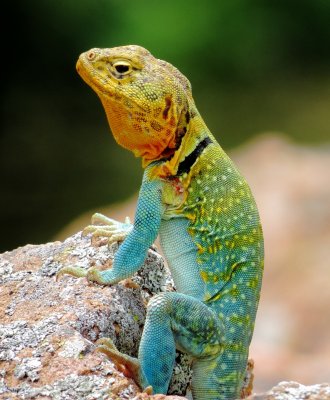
(147,101)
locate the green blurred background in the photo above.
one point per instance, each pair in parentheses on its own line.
(255,66)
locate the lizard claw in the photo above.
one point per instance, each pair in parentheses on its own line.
(100,219)
(92,274)
(129,366)
(107,227)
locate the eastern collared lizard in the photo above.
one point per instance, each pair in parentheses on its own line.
(195,198)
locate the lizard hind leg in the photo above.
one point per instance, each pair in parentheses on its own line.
(129,366)
(178,320)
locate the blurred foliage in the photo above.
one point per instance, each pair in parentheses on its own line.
(255,66)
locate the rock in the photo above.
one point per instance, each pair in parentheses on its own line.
(295,391)
(48,328)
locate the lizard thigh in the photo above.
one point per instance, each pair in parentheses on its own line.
(197,330)
(176,320)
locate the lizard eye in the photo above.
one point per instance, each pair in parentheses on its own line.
(122,67)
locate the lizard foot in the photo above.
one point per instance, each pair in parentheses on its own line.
(91,274)
(102,226)
(129,366)
(73,271)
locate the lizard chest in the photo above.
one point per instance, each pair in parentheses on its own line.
(173,197)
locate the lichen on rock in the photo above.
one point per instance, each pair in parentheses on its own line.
(295,391)
(48,328)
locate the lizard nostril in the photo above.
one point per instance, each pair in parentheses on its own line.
(91,55)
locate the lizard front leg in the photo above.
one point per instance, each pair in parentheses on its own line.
(139,237)
(104,226)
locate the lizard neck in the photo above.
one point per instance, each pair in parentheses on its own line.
(197,132)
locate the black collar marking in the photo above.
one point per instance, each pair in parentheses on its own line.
(188,162)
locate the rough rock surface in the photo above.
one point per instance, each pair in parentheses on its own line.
(48,328)
(295,391)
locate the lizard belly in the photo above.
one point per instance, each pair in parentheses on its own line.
(180,253)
